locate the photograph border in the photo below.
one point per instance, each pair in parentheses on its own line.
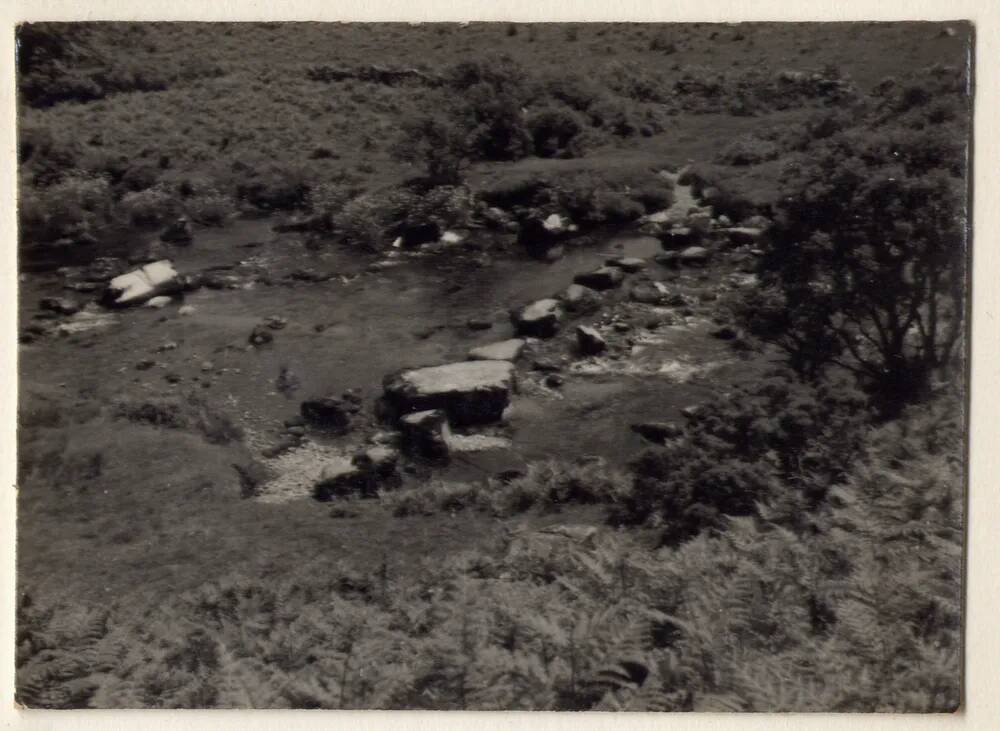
(982,643)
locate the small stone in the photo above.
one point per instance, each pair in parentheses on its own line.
(260,336)
(554,380)
(601,279)
(207,366)
(297,431)
(186,310)
(622,327)
(145,365)
(539,319)
(724,333)
(163,347)
(275,323)
(327,413)
(657,431)
(629,264)
(60,305)
(478,324)
(546,365)
(580,300)
(158,303)
(504,350)
(589,340)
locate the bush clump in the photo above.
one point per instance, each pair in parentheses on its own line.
(73,208)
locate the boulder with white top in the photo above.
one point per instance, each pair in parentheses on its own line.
(580,300)
(141,285)
(539,235)
(540,319)
(470,392)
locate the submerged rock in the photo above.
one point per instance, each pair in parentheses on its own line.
(470,392)
(601,279)
(590,341)
(540,319)
(425,435)
(504,350)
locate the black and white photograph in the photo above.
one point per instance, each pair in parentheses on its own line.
(493,366)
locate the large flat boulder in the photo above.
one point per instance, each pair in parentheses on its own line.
(470,392)
(540,319)
(140,285)
(504,350)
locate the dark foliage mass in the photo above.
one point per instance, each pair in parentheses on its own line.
(867,263)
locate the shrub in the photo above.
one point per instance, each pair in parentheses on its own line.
(745,448)
(210,207)
(140,177)
(654,197)
(327,200)
(273,186)
(75,207)
(570,89)
(662,43)
(634,82)
(360,222)
(747,150)
(555,132)
(150,207)
(615,207)
(553,484)
(436,143)
(189,412)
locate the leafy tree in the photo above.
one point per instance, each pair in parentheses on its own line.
(866,268)
(436,143)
